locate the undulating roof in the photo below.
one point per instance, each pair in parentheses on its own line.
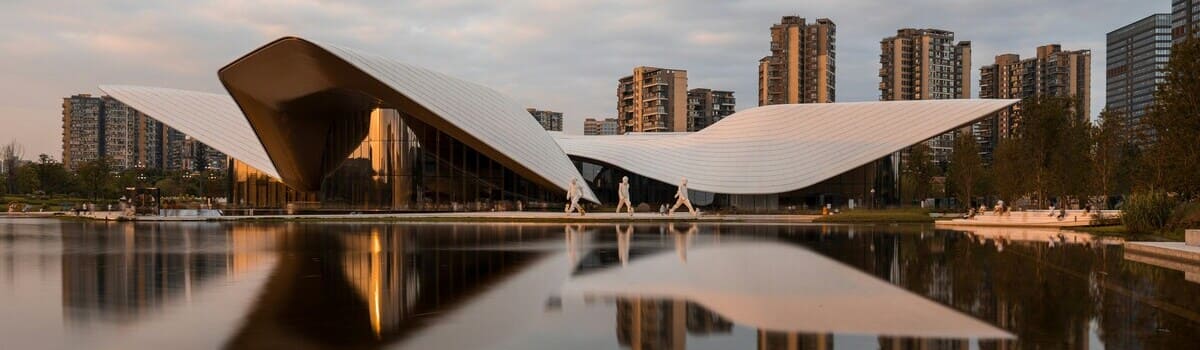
(211,118)
(284,87)
(781,148)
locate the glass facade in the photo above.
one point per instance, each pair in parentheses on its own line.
(384,160)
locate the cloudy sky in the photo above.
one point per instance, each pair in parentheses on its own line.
(561,55)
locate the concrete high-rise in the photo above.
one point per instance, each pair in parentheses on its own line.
(1052,72)
(926,64)
(83,130)
(132,139)
(801,66)
(95,127)
(1136,58)
(1185,19)
(707,106)
(550,120)
(653,100)
(606,126)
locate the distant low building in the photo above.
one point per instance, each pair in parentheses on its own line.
(606,126)
(550,120)
(707,106)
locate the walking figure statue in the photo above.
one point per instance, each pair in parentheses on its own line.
(682,199)
(573,195)
(623,196)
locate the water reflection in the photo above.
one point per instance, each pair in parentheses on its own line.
(120,275)
(650,286)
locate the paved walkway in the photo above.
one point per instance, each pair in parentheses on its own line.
(507,216)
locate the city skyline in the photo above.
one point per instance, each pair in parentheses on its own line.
(54,56)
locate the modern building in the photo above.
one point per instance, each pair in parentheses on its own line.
(777,157)
(1185,19)
(653,100)
(1052,72)
(801,66)
(550,120)
(606,126)
(926,64)
(363,132)
(1136,60)
(707,106)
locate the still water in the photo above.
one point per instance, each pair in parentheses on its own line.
(554,286)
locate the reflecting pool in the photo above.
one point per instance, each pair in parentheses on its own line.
(69,284)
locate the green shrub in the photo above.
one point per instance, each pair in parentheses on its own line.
(1147,211)
(1185,216)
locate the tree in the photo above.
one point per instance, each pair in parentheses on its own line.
(94,177)
(1071,163)
(1174,157)
(27,180)
(53,177)
(1009,170)
(919,171)
(1109,148)
(10,159)
(966,168)
(1054,141)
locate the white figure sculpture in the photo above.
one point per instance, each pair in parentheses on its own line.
(573,195)
(682,199)
(623,196)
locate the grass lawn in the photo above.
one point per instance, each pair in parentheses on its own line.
(878,216)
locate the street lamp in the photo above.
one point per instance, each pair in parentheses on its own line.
(872,198)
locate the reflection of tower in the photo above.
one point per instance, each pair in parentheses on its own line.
(144,271)
(768,340)
(651,324)
(375,265)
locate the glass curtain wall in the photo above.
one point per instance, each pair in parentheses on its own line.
(394,162)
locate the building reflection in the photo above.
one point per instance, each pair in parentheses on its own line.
(365,286)
(121,275)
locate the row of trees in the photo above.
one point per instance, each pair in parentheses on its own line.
(1056,155)
(98,180)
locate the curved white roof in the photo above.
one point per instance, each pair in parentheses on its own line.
(480,116)
(781,148)
(480,111)
(211,118)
